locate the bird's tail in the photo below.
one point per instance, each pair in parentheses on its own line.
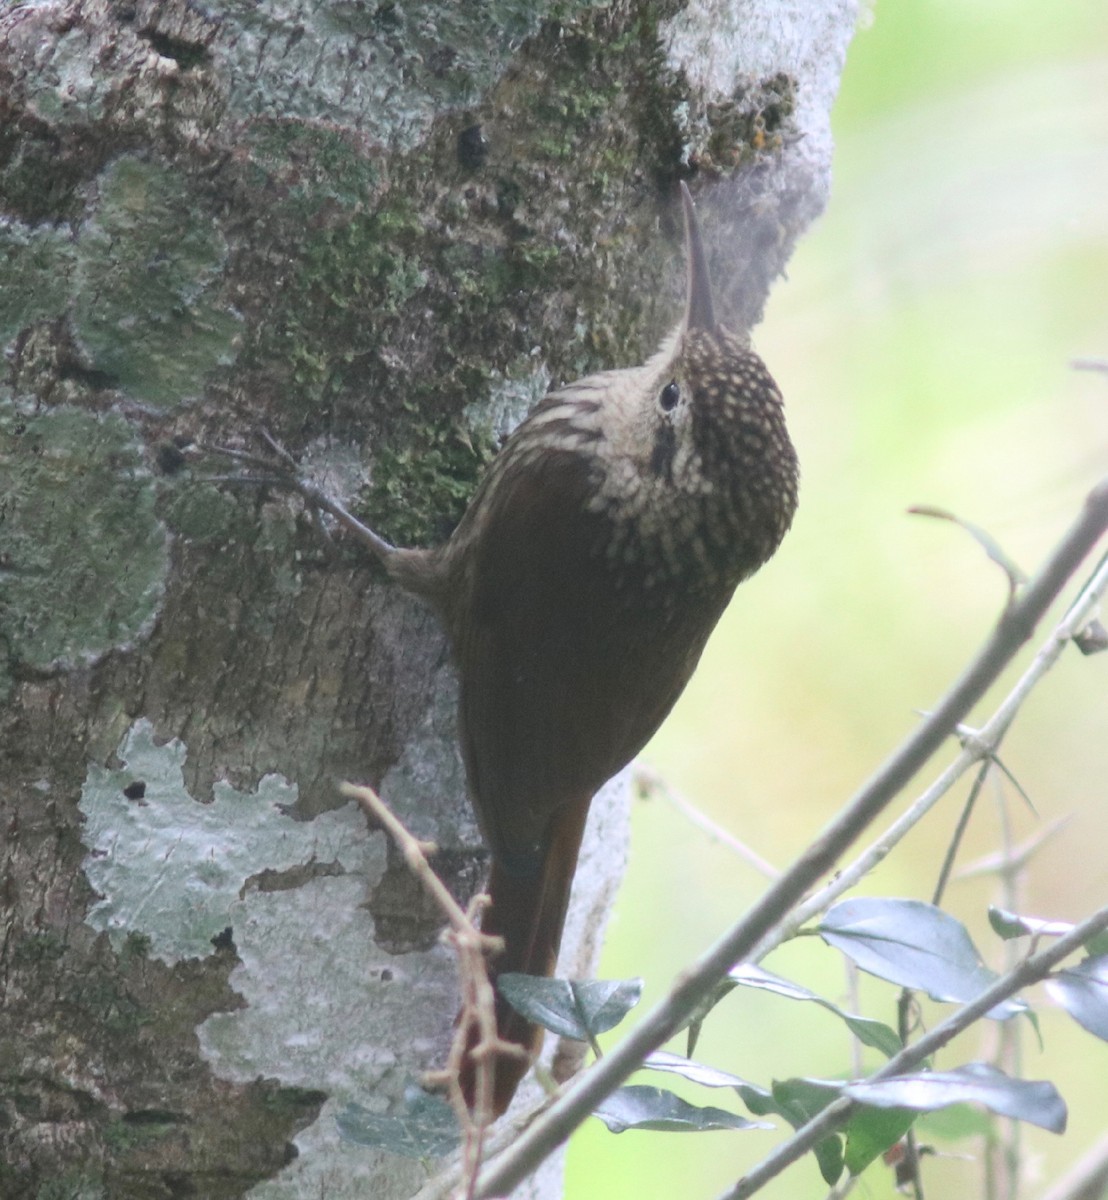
(528,912)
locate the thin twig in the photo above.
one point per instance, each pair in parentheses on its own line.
(649,781)
(415,856)
(906,1010)
(854,1000)
(1009,1034)
(960,831)
(836,1114)
(475,1032)
(1013,630)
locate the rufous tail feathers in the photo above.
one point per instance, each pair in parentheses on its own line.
(528,913)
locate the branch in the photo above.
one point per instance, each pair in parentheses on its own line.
(836,1114)
(974,749)
(1014,629)
(475,1030)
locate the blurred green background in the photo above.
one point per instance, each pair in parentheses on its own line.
(922,342)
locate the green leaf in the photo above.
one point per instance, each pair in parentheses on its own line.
(1036,1101)
(428,1129)
(915,945)
(1083,992)
(798,1101)
(1010,925)
(829,1158)
(760,1102)
(875,1034)
(871,1131)
(802,1099)
(568,1008)
(640,1107)
(869,1032)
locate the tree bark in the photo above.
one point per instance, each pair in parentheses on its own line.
(379,231)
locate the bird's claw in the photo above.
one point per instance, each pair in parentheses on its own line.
(280,469)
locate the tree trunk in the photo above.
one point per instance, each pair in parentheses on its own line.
(379,230)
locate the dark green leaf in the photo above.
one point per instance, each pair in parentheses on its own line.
(1011,925)
(829,1157)
(1083,992)
(1097,944)
(654,1108)
(871,1131)
(603,1003)
(798,1100)
(868,1031)
(429,1129)
(875,1034)
(760,1102)
(568,1008)
(915,945)
(978,1083)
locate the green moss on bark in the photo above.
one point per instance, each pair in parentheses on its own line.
(147,305)
(84,556)
(35,264)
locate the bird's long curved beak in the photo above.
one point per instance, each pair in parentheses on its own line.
(699,310)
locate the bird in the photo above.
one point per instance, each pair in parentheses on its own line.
(578,591)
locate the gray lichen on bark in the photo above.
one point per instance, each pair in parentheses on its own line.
(379,230)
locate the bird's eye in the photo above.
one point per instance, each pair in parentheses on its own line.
(671,393)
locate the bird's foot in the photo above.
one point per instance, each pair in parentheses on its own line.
(278,468)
